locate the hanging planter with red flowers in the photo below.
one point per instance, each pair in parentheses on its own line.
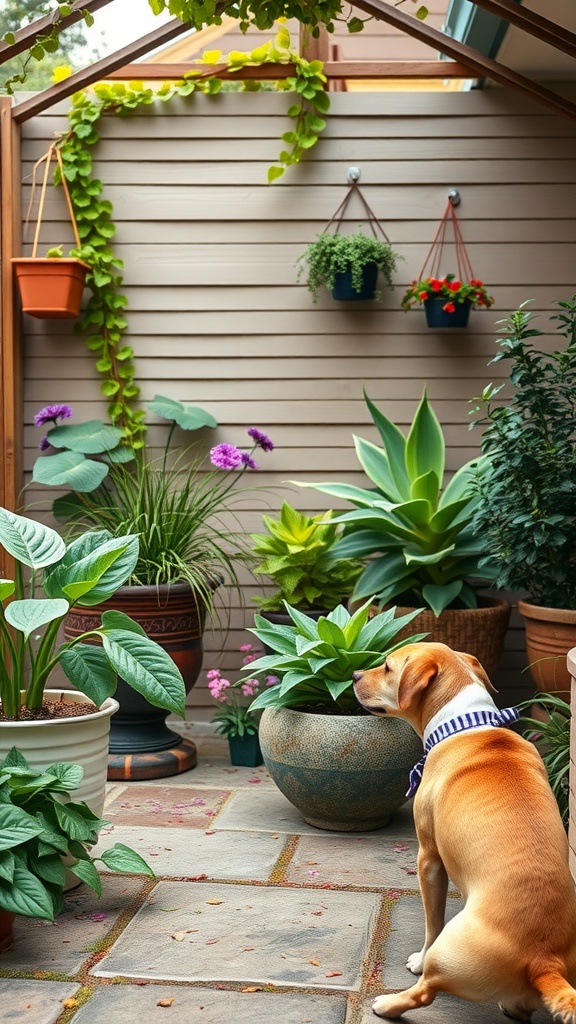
(448,298)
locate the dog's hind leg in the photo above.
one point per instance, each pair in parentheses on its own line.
(394,1005)
(434,887)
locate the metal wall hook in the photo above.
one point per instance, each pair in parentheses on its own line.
(353,175)
(454,197)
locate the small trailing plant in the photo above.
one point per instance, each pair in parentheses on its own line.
(39,825)
(552,738)
(296,554)
(315,660)
(415,533)
(526,503)
(50,577)
(449,288)
(172,502)
(333,254)
(234,717)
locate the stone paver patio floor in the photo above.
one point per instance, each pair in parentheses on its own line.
(254,916)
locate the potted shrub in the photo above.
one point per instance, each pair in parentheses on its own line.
(347,265)
(526,507)
(51,287)
(551,734)
(416,535)
(45,840)
(49,576)
(233,717)
(447,301)
(297,556)
(342,768)
(177,506)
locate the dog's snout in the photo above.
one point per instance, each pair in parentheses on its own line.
(357,676)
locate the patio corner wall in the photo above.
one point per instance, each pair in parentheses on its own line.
(572,825)
(217,318)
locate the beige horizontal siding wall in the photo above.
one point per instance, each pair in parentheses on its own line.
(216,315)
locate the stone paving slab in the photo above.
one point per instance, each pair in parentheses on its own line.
(246,856)
(449,1010)
(64,946)
(36,1002)
(125,1004)
(249,934)
(165,806)
(270,811)
(217,771)
(406,937)
(355,859)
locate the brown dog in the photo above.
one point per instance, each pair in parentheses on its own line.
(487,819)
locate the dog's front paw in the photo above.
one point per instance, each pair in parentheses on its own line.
(385,1006)
(415,962)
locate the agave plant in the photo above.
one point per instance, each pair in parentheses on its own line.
(297,555)
(417,534)
(314,660)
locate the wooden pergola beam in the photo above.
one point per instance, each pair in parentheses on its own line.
(96,72)
(11,430)
(482,67)
(352,69)
(27,36)
(547,31)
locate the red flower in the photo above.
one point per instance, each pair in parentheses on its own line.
(423,296)
(476,283)
(435,284)
(454,286)
(449,307)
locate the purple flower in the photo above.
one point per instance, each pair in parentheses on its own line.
(261,439)
(51,414)
(248,461)
(44,444)
(226,456)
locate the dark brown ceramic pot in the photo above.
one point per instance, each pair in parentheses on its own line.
(141,744)
(6,925)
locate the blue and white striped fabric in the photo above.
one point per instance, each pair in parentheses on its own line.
(461,723)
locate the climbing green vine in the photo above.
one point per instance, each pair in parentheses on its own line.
(103,322)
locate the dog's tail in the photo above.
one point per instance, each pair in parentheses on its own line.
(558,995)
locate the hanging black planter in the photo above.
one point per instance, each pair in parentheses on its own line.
(344,289)
(437,316)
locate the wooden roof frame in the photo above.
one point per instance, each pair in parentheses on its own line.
(463,62)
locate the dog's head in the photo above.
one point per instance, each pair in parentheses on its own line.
(417,680)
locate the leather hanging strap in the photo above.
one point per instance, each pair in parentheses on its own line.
(463,265)
(373,221)
(55,153)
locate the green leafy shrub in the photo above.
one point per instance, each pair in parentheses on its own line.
(38,827)
(297,555)
(526,508)
(334,254)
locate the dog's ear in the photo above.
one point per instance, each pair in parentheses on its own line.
(418,673)
(477,669)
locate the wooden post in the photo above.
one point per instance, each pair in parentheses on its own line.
(572,819)
(11,413)
(314,49)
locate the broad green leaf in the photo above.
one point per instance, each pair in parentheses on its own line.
(425,447)
(414,556)
(88,668)
(16,826)
(119,620)
(29,542)
(394,444)
(374,462)
(73,822)
(29,615)
(7,865)
(462,483)
(7,588)
(86,870)
(122,858)
(348,492)
(330,633)
(70,469)
(415,512)
(90,438)
(146,667)
(440,597)
(69,775)
(426,487)
(445,517)
(122,454)
(335,689)
(189,417)
(26,895)
(51,869)
(98,559)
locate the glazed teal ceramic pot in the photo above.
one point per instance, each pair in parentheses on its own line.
(345,773)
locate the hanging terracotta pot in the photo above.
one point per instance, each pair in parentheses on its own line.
(50,288)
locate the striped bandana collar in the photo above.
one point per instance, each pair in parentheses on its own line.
(460,723)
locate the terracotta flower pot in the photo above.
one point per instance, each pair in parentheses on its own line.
(550,635)
(50,288)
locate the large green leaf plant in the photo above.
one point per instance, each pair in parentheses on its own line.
(50,576)
(39,825)
(415,533)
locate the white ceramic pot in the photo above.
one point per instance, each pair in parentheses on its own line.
(82,740)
